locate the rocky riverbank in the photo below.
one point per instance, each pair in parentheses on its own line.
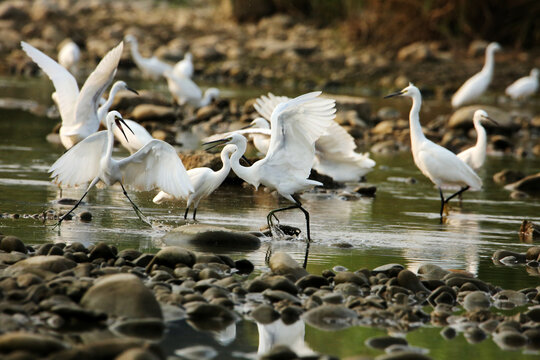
(66,301)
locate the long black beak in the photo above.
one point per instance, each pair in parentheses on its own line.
(215,143)
(490,119)
(248,126)
(132,90)
(393,94)
(246,160)
(119,122)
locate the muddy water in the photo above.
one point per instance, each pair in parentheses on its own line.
(399,225)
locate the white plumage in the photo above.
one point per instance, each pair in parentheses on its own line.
(439,164)
(524,87)
(151,67)
(478,83)
(156,165)
(184,67)
(476,156)
(185,91)
(204,180)
(78,110)
(295,126)
(69,56)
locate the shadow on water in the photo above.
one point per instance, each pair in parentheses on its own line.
(399,225)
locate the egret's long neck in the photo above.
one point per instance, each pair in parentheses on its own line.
(481,140)
(243,172)
(489,62)
(414,121)
(135,51)
(206,100)
(226,167)
(110,143)
(103,109)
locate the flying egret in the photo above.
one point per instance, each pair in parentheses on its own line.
(78,110)
(524,87)
(296,125)
(204,180)
(476,156)
(439,164)
(152,67)
(138,137)
(478,83)
(156,165)
(184,67)
(69,55)
(184,90)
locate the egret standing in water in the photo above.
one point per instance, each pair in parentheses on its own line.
(156,165)
(524,87)
(296,125)
(152,67)
(439,164)
(184,67)
(185,91)
(204,180)
(477,84)
(78,110)
(476,156)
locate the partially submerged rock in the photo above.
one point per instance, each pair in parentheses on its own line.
(212,237)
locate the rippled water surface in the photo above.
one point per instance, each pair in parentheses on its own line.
(399,225)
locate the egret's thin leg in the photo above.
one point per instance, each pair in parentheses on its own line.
(306,214)
(442,203)
(273,212)
(463,189)
(92,184)
(194,213)
(185,214)
(135,207)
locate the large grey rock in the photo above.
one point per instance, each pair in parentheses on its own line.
(44,266)
(462,118)
(283,264)
(144,112)
(529,184)
(33,343)
(12,243)
(209,237)
(330,317)
(122,295)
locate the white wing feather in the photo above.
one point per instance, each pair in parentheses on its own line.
(267,103)
(156,165)
(81,163)
(95,85)
(250,131)
(64,83)
(135,140)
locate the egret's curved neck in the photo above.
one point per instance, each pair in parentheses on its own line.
(103,109)
(206,100)
(243,172)
(489,63)
(226,161)
(481,140)
(135,51)
(110,142)
(414,120)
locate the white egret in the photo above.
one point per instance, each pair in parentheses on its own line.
(476,156)
(78,110)
(439,164)
(296,125)
(478,83)
(334,150)
(69,55)
(524,87)
(184,90)
(138,137)
(184,67)
(204,180)
(152,67)
(156,165)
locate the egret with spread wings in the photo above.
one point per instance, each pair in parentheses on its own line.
(155,165)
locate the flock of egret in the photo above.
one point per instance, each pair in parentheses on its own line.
(294,135)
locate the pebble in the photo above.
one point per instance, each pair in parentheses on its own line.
(383,342)
(476,300)
(330,317)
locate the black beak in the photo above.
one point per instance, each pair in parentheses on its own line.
(393,94)
(215,143)
(132,90)
(119,122)
(493,121)
(246,160)
(247,126)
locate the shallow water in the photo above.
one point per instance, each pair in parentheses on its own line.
(399,225)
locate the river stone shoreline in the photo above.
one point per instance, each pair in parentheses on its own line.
(98,302)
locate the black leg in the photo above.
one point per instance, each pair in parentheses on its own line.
(273,213)
(185,214)
(442,203)
(194,213)
(463,189)
(70,211)
(136,208)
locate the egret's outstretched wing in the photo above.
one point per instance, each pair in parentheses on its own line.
(96,83)
(64,83)
(267,103)
(156,165)
(295,126)
(80,164)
